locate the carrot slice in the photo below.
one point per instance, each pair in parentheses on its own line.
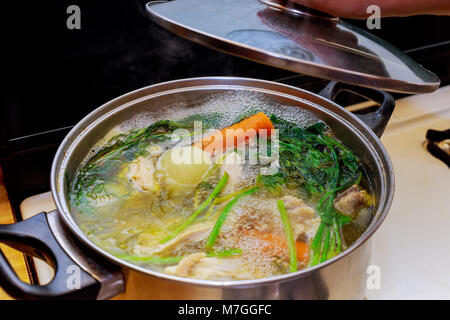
(236,134)
(302,251)
(275,245)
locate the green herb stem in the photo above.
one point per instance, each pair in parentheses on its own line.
(224,253)
(173,260)
(223,216)
(289,235)
(316,245)
(227,197)
(326,245)
(208,173)
(200,209)
(152,260)
(332,252)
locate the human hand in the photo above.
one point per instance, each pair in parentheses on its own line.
(357,9)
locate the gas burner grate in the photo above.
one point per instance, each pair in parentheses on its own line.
(438,144)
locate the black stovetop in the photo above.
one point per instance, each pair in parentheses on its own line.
(55,76)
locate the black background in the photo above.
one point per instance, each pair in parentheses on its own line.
(54,76)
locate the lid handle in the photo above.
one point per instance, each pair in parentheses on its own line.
(376,120)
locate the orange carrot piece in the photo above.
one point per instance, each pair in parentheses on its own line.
(236,134)
(275,245)
(302,251)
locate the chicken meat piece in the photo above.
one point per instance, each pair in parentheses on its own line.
(232,165)
(140,172)
(199,266)
(297,208)
(184,267)
(192,237)
(351,201)
(302,217)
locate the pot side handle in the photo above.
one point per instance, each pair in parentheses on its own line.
(376,120)
(35,238)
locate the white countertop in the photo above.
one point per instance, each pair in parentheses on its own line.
(412,246)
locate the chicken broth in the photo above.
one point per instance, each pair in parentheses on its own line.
(271,191)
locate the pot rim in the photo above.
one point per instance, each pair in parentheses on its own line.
(95,117)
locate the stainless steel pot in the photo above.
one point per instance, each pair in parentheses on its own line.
(56,238)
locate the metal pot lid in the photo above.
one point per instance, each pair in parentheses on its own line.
(292,38)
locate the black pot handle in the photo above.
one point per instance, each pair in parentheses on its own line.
(377,120)
(35,237)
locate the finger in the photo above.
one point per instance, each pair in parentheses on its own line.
(355,9)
